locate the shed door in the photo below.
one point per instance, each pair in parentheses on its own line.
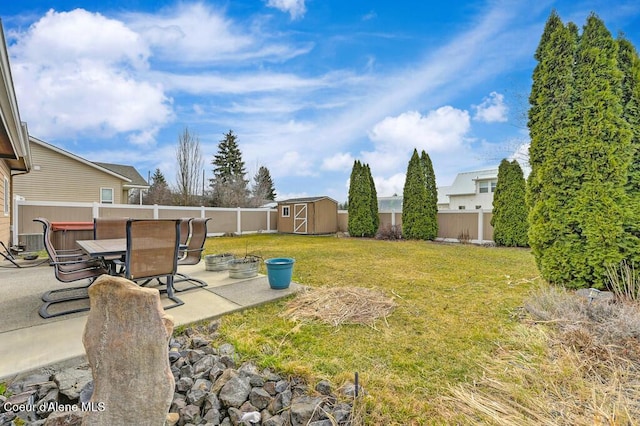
(300,218)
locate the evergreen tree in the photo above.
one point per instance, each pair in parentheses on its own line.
(414,204)
(229,186)
(360,222)
(580,157)
(550,128)
(509,219)
(159,191)
(431,208)
(375,218)
(629,64)
(263,190)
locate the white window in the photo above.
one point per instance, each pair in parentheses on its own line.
(486,185)
(285,211)
(106,195)
(7,197)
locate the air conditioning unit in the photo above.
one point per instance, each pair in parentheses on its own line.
(31,242)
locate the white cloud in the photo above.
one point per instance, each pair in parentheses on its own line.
(392,185)
(492,109)
(190,33)
(338,162)
(295,8)
(440,130)
(295,164)
(77,73)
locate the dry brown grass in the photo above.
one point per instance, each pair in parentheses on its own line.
(571,362)
(340,305)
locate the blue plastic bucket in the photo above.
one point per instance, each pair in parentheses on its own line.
(279,271)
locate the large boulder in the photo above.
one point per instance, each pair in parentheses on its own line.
(127,342)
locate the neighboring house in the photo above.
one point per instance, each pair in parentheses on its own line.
(15,158)
(469,191)
(58,175)
(137,182)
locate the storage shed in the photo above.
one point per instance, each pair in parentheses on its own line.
(312,215)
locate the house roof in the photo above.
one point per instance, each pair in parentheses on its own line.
(465,183)
(14,141)
(306,200)
(130,181)
(130,172)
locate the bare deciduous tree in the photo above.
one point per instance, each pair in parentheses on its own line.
(190,164)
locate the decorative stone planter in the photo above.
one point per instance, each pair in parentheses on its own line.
(217,262)
(244,267)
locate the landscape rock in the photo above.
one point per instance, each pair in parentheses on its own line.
(127,343)
(197,400)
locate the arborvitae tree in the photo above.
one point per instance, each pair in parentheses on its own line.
(582,160)
(550,127)
(159,191)
(262,190)
(550,99)
(229,186)
(509,219)
(629,64)
(373,200)
(360,222)
(414,204)
(431,210)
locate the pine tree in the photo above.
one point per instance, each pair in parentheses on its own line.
(509,219)
(360,223)
(414,215)
(159,191)
(263,189)
(230,188)
(431,207)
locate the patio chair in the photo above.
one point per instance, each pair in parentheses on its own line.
(152,252)
(193,253)
(69,266)
(185,231)
(107,228)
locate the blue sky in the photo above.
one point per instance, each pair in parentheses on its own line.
(308,86)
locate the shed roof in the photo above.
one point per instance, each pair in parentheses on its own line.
(306,200)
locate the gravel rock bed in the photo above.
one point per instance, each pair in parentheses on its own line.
(211,388)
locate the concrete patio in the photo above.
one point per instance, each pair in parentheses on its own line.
(29,342)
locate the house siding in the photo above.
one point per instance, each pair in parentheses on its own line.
(61,178)
(5,221)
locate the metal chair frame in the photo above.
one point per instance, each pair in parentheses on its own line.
(152,252)
(69,266)
(193,253)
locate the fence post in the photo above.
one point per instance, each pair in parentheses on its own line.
(393,217)
(155,211)
(239,222)
(203,212)
(480,226)
(269,220)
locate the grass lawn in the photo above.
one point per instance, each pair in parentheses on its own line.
(455,307)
